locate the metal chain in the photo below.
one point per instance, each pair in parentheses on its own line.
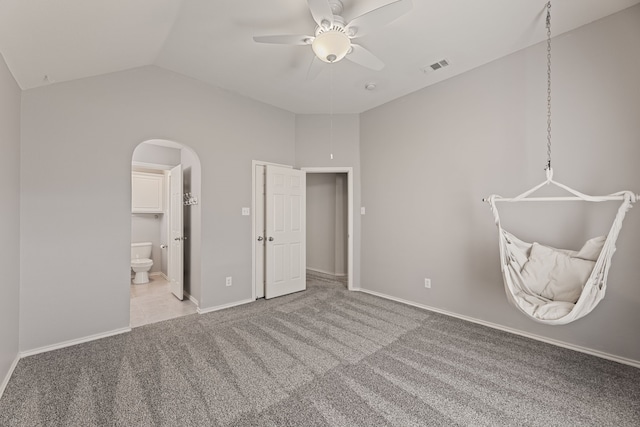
(548,86)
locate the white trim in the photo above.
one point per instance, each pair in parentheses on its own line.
(255,163)
(191,298)
(317,270)
(349,172)
(70,343)
(222,307)
(597,353)
(7,377)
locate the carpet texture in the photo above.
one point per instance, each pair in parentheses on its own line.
(323,357)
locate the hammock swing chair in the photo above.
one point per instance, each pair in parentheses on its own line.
(557,286)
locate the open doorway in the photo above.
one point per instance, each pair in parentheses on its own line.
(332,183)
(165,225)
(327,225)
(258,227)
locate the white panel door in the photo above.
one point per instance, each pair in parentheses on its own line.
(175,269)
(286,259)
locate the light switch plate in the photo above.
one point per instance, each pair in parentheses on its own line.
(362,210)
(246,211)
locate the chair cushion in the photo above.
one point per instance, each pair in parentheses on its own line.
(557,275)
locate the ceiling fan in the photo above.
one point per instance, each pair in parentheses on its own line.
(332,39)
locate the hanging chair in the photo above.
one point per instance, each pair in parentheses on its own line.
(557,286)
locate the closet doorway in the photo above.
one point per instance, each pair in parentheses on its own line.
(327,223)
(258,273)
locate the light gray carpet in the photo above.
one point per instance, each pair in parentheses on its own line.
(323,357)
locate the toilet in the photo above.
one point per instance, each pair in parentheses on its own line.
(141,261)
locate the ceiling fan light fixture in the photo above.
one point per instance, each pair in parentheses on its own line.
(331,46)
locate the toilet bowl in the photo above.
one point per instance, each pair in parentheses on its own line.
(141,261)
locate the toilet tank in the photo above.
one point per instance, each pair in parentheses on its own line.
(141,250)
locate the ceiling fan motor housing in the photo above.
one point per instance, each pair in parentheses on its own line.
(331,44)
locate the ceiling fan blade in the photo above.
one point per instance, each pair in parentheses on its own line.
(314,68)
(321,11)
(376,18)
(285,39)
(363,57)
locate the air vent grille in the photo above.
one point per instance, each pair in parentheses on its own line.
(436,66)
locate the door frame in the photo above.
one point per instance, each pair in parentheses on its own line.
(349,172)
(332,169)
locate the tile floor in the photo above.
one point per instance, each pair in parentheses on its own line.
(154,302)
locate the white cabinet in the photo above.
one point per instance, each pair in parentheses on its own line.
(147,191)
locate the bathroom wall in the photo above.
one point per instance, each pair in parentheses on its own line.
(64,129)
(9,221)
(156,154)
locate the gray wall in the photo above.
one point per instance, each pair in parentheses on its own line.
(428,158)
(9,218)
(100,121)
(341,230)
(327,223)
(313,150)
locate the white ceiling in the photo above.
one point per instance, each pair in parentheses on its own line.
(211,40)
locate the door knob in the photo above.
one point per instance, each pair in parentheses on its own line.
(177,238)
(260,238)
(271,239)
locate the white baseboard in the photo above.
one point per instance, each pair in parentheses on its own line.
(222,307)
(7,377)
(317,270)
(73,342)
(597,353)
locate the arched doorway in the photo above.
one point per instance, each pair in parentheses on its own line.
(166,188)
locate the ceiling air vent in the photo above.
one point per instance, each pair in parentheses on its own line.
(436,66)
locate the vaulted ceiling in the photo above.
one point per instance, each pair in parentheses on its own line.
(50,41)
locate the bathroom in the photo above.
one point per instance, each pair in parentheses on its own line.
(154,297)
